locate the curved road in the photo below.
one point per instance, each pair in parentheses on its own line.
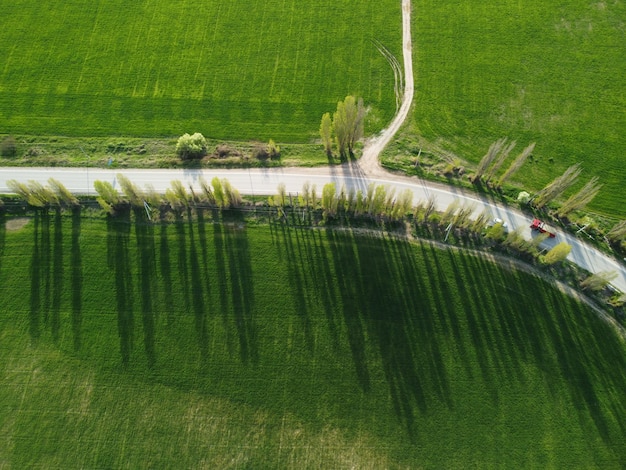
(353,175)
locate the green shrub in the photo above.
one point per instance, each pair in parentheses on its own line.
(8,147)
(191,146)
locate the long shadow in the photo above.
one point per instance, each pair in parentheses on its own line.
(418,319)
(323,277)
(197,294)
(183,267)
(118,229)
(57,275)
(295,263)
(35,282)
(2,236)
(242,289)
(45,277)
(389,311)
(76,278)
(166,272)
(144,236)
(222,277)
(354,299)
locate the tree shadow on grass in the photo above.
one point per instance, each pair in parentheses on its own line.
(222,277)
(118,230)
(76,264)
(242,287)
(57,275)
(144,236)
(300,287)
(350,286)
(2,236)
(533,322)
(35,281)
(166,273)
(197,294)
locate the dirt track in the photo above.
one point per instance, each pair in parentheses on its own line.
(369,163)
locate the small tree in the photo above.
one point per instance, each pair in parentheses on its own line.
(273,150)
(581,198)
(8,147)
(329,200)
(108,197)
(523,197)
(557,254)
(517,164)
(191,146)
(598,281)
(135,195)
(218,192)
(348,123)
(618,232)
(499,162)
(557,186)
(326,131)
(486,161)
(62,193)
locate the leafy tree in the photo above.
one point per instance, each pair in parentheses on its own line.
(488,159)
(329,200)
(231,195)
(33,193)
(191,146)
(348,123)
(557,186)
(208,192)
(218,192)
(581,198)
(517,164)
(496,232)
(8,147)
(557,254)
(448,215)
(598,281)
(326,131)
(480,222)
(280,199)
(62,193)
(135,195)
(109,199)
(618,232)
(523,197)
(273,150)
(491,172)
(177,195)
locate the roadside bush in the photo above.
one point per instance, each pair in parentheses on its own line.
(8,147)
(193,146)
(259,151)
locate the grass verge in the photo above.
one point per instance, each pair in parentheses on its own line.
(223,342)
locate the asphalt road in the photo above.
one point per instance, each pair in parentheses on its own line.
(264,182)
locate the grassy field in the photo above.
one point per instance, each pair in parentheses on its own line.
(231,70)
(534,71)
(237,345)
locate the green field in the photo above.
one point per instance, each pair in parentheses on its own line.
(229,69)
(240,345)
(534,71)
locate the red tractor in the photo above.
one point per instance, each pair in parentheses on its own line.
(542,227)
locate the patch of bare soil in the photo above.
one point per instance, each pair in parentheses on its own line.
(13,225)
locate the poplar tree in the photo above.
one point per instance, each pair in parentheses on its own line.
(581,198)
(326,131)
(558,253)
(517,164)
(557,187)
